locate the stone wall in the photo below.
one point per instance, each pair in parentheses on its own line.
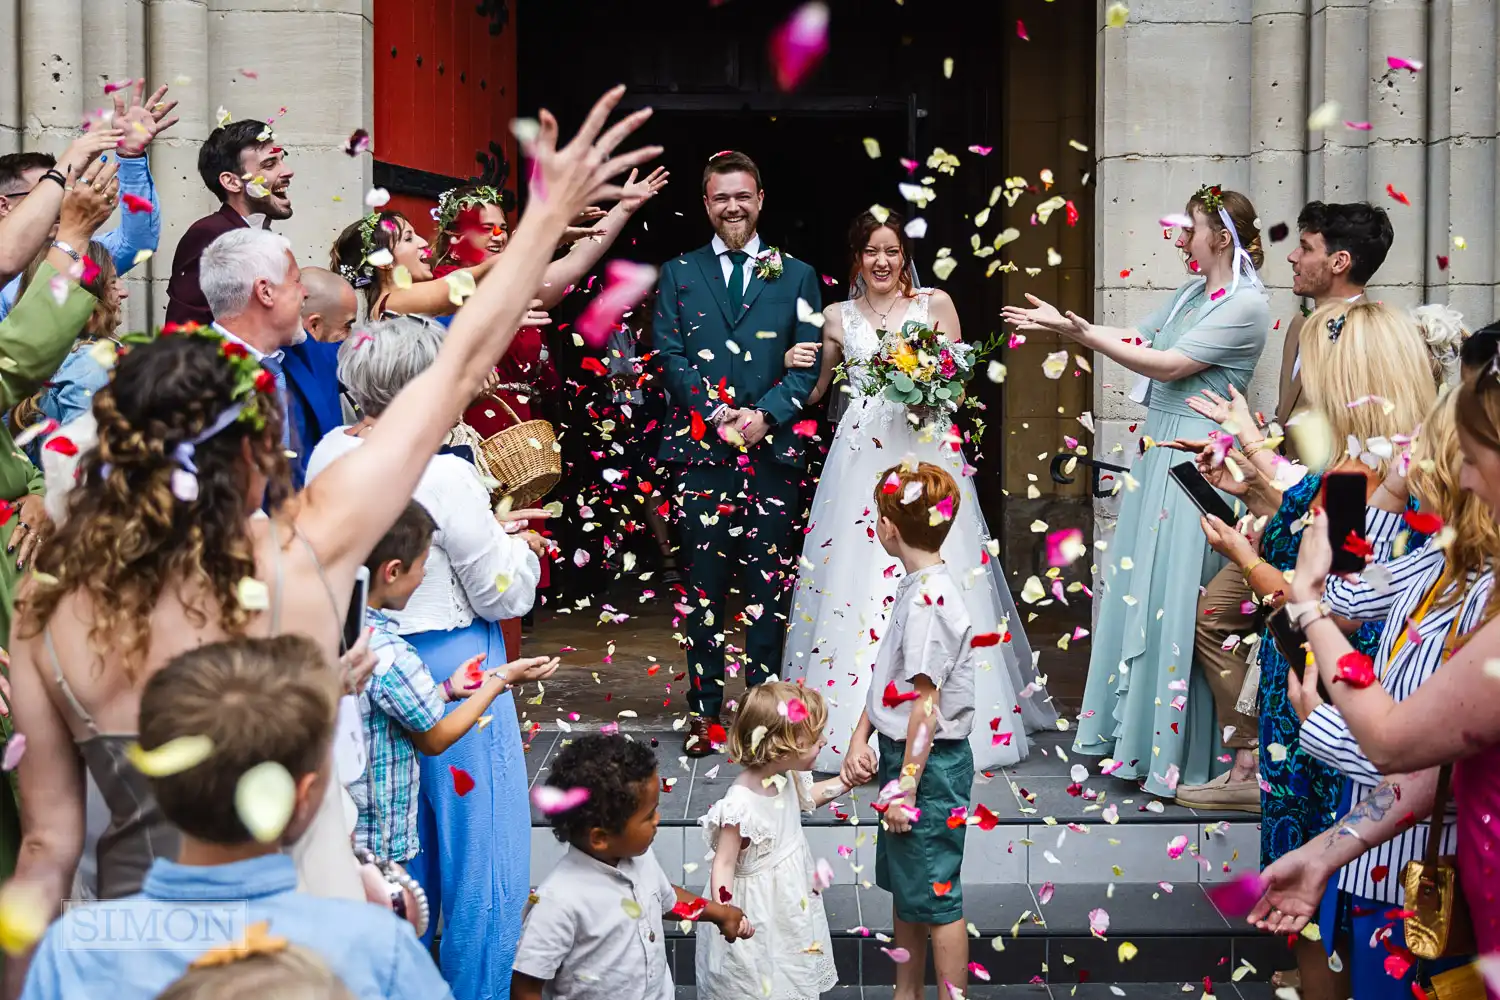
(1219,91)
(250,57)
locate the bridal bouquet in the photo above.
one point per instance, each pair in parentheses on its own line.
(919,368)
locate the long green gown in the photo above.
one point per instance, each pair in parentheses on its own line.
(1142,705)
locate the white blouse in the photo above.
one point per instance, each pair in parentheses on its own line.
(475,568)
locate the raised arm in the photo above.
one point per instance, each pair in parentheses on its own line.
(24,231)
(585,253)
(347,509)
(1450,716)
(1112,342)
(435,297)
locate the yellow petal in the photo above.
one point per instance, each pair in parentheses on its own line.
(632,908)
(23,916)
(1116,15)
(252,594)
(264,799)
(872,148)
(1128,951)
(172,757)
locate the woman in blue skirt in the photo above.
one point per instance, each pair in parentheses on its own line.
(473,820)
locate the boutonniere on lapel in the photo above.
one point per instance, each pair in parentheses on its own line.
(768,264)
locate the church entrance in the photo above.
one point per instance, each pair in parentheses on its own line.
(909,80)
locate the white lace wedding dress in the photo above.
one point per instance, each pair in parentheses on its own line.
(847,582)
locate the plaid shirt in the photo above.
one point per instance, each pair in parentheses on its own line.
(400,698)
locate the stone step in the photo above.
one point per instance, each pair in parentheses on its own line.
(1045,833)
(1040,991)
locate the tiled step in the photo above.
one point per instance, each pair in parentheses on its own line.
(1045,833)
(1088,991)
(1157,902)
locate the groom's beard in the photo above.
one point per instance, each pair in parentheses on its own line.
(736,234)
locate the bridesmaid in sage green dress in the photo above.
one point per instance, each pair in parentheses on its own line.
(1142,706)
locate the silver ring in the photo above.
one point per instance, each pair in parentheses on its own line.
(23,524)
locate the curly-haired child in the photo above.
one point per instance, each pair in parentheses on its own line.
(762,860)
(593,928)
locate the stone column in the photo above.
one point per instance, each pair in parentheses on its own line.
(10,79)
(51,72)
(1396,154)
(1467,189)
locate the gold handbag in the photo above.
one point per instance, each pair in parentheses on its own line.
(1438,925)
(1462,983)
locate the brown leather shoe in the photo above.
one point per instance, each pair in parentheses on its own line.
(698,743)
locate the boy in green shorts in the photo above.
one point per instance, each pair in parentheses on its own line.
(921,703)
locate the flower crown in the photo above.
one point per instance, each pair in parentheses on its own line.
(254,386)
(451,204)
(361,275)
(1211,196)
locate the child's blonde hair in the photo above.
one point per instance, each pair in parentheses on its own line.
(763,731)
(292,973)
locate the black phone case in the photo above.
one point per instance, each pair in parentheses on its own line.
(1344,499)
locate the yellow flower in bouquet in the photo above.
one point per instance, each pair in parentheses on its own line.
(903,357)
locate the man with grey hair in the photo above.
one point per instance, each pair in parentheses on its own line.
(254,289)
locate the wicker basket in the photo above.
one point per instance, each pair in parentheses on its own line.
(526,473)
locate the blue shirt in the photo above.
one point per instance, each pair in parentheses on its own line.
(375,953)
(137,230)
(401,698)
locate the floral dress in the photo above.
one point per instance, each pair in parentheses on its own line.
(1300,796)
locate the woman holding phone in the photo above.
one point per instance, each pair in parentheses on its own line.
(1349,353)
(1209,335)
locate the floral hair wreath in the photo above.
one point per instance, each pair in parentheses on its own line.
(1211,196)
(254,386)
(451,204)
(363,274)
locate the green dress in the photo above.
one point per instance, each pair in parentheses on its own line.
(1141,705)
(34,339)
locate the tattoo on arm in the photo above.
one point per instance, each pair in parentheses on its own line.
(1372,807)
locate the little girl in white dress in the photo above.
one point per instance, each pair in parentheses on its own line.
(762,862)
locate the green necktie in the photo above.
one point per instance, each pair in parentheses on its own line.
(737,260)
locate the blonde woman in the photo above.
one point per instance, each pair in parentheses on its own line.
(1445,592)
(1350,353)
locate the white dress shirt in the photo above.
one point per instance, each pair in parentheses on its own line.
(751,247)
(474,568)
(594,931)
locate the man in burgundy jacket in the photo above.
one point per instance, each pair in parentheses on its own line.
(242,165)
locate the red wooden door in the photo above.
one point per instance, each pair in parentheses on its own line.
(445,94)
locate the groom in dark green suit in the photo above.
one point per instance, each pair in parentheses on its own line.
(726,314)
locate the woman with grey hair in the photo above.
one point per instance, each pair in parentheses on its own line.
(474,859)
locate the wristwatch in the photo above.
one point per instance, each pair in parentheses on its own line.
(65,248)
(1304,613)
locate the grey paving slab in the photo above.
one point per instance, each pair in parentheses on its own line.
(1100,853)
(1050,796)
(976,991)
(1089,960)
(1019,963)
(1134,910)
(1130,991)
(991,908)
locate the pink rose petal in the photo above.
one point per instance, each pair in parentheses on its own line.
(625,285)
(13,752)
(799,44)
(551,801)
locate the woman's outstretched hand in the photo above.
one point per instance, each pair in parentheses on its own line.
(1234,411)
(1044,316)
(1314,560)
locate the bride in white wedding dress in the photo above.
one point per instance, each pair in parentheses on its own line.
(847,582)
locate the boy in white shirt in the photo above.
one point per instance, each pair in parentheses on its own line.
(921,703)
(593,928)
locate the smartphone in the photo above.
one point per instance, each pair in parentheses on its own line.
(1290,640)
(1204,496)
(1344,499)
(354,623)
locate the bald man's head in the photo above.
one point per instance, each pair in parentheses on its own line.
(330,308)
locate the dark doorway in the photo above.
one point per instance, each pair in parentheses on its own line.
(816,174)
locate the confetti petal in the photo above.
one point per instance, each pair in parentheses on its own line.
(799,44)
(552,801)
(264,799)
